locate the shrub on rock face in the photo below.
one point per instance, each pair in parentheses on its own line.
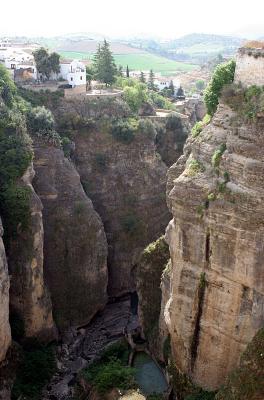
(173,121)
(124,130)
(40,122)
(36,369)
(223,74)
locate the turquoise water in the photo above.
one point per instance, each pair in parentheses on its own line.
(149,377)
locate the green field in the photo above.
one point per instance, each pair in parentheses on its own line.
(139,62)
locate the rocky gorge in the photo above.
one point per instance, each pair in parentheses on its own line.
(102,190)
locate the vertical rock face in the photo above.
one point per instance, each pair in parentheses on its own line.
(148,276)
(29,298)
(126,183)
(216,236)
(75,248)
(171,139)
(5,335)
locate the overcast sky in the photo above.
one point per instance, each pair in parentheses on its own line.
(165,18)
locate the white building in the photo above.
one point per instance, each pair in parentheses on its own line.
(74,72)
(163,82)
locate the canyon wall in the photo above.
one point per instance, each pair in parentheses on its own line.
(5,334)
(126,183)
(29,297)
(216,301)
(75,248)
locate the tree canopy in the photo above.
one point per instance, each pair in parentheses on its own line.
(47,63)
(104,64)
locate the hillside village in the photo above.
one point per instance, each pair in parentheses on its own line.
(19,60)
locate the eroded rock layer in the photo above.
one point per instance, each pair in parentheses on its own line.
(75,248)
(216,244)
(29,297)
(126,183)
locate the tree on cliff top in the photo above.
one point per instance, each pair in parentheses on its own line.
(47,63)
(151,81)
(104,64)
(223,75)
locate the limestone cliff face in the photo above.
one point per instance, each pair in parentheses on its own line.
(171,138)
(148,277)
(216,244)
(75,248)
(5,336)
(126,183)
(29,297)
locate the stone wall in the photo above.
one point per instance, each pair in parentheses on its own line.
(250,67)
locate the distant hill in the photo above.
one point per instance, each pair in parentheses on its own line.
(194,48)
(194,39)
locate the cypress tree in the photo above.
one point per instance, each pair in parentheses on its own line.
(151,83)
(142,77)
(127,72)
(172,89)
(104,64)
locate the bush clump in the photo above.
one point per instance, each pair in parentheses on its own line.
(124,130)
(36,369)
(216,157)
(41,123)
(199,126)
(223,75)
(111,370)
(194,167)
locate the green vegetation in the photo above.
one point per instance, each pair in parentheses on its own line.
(183,386)
(248,102)
(167,348)
(223,75)
(15,157)
(132,225)
(111,370)
(104,66)
(200,84)
(37,367)
(46,63)
(247,381)
(41,123)
(173,121)
(139,62)
(135,96)
(202,281)
(100,162)
(124,130)
(199,126)
(216,157)
(203,395)
(193,168)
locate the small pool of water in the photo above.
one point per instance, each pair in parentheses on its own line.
(149,376)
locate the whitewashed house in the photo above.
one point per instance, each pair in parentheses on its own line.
(15,59)
(74,72)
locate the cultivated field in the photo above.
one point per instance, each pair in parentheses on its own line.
(141,61)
